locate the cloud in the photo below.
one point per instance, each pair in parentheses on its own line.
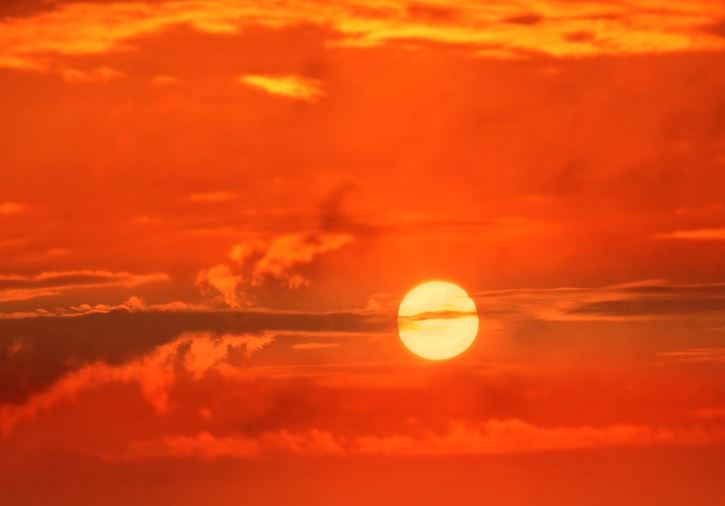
(650,307)
(279,255)
(716,413)
(261,259)
(54,345)
(211,197)
(192,355)
(36,41)
(314,346)
(96,75)
(516,436)
(207,446)
(10,208)
(132,304)
(700,234)
(14,287)
(290,86)
(220,279)
(492,437)
(641,300)
(697,355)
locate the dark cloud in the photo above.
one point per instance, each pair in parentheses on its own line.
(17,8)
(430,12)
(716,28)
(35,352)
(651,307)
(525,19)
(712,288)
(580,36)
(334,216)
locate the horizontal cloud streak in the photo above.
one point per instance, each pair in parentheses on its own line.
(493,437)
(640,300)
(699,234)
(21,287)
(550,27)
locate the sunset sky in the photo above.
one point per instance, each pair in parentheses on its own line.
(210,211)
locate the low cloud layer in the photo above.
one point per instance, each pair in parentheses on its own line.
(36,351)
(493,437)
(154,372)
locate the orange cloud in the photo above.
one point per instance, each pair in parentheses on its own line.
(132,304)
(275,257)
(21,287)
(193,355)
(96,75)
(714,355)
(314,346)
(299,88)
(550,27)
(493,437)
(208,446)
(9,208)
(280,254)
(700,234)
(221,279)
(221,196)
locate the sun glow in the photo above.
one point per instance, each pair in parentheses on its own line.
(437,320)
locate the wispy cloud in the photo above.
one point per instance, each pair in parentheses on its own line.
(641,300)
(132,304)
(698,234)
(22,287)
(220,279)
(275,257)
(492,437)
(314,346)
(290,86)
(9,208)
(697,355)
(211,197)
(95,75)
(35,42)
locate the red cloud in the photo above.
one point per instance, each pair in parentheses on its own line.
(461,438)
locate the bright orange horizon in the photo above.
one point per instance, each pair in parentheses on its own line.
(210,212)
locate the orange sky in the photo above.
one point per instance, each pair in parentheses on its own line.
(210,211)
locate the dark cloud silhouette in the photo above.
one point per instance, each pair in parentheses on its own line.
(34,352)
(651,307)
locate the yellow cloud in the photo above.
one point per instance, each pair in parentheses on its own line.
(300,88)
(550,27)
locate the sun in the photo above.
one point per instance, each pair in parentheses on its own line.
(437,320)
